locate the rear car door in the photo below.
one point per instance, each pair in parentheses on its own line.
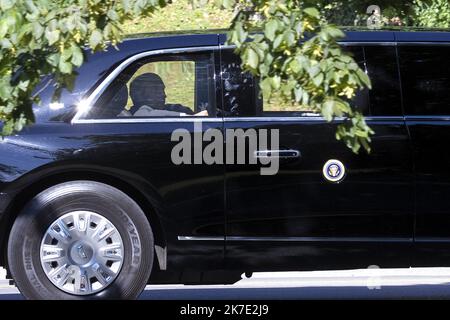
(298,218)
(425,74)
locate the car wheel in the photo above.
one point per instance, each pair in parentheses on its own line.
(81,240)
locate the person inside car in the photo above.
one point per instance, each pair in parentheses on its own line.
(118,103)
(148,95)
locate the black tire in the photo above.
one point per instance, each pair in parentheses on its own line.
(47,206)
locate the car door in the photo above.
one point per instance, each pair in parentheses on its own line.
(300,218)
(130,135)
(425,74)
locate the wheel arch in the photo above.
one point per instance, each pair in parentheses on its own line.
(147,201)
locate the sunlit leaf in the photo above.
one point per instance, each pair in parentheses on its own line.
(252,58)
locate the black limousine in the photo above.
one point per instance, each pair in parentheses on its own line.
(94,205)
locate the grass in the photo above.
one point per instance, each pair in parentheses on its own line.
(180,15)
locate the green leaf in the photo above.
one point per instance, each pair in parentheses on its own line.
(345,58)
(242,34)
(3,28)
(65,67)
(327,110)
(20,123)
(312,12)
(8,127)
(305,97)
(38,30)
(266,88)
(69,81)
(112,14)
(270,29)
(277,41)
(52,36)
(298,92)
(275,81)
(77,56)
(95,39)
(23,85)
(252,58)
(314,71)
(6,4)
(366,145)
(295,66)
(227,4)
(66,54)
(5,92)
(334,32)
(289,36)
(364,78)
(126,5)
(263,68)
(53,59)
(340,108)
(318,79)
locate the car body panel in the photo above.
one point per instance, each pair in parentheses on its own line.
(300,207)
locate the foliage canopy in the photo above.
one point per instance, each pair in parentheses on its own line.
(39,37)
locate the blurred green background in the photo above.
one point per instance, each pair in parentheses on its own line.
(181,15)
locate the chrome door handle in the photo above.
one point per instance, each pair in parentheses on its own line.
(277,153)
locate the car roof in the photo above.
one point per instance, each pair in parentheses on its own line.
(352,34)
(98,65)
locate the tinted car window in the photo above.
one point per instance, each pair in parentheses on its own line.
(361,99)
(384,97)
(425,72)
(239,95)
(379,62)
(163,86)
(275,107)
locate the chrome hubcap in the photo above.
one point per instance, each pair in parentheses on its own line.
(82,252)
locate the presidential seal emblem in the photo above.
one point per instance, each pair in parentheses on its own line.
(334,170)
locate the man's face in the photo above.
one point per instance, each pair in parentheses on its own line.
(155,95)
(151,93)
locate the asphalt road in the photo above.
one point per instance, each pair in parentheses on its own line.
(419,283)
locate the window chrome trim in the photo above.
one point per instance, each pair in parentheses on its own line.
(367,43)
(294,239)
(232,119)
(427,118)
(376,43)
(344,43)
(149,120)
(270,119)
(98,91)
(235,119)
(309,118)
(189,238)
(424,43)
(384,118)
(431,240)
